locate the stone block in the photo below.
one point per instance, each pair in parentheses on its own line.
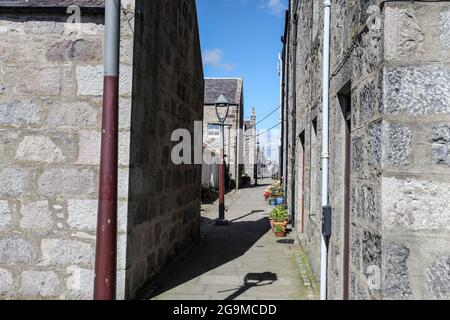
(124,148)
(82,214)
(6,283)
(40,284)
(43,81)
(368,55)
(36,216)
(438,278)
(395,270)
(5,215)
(122,251)
(20,52)
(15,250)
(90,80)
(43,27)
(39,149)
(124,181)
(66,252)
(375,144)
(75,114)
(59,181)
(366,201)
(125,114)
(15,182)
(366,101)
(371,250)
(417,90)
(125,80)
(78,50)
(126,51)
(397,145)
(415,205)
(19,113)
(80,283)
(90,144)
(404,36)
(355,247)
(445,29)
(441,145)
(357,153)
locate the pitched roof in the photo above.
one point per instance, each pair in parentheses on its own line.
(248,124)
(230,88)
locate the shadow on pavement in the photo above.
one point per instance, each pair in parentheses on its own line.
(247,215)
(222,245)
(253,280)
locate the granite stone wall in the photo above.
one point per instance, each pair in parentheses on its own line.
(395,67)
(164,198)
(51,84)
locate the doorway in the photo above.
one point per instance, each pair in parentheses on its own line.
(301,180)
(345,99)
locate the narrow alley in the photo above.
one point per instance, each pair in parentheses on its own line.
(241,261)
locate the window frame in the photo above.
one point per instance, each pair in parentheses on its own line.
(216,130)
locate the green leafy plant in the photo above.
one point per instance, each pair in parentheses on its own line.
(279,214)
(279,229)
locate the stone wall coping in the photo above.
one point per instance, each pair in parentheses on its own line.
(50,5)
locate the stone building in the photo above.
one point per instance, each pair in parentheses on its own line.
(389,144)
(250,139)
(50,120)
(233,90)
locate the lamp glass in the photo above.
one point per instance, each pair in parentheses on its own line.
(222,108)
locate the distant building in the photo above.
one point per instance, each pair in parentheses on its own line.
(250,139)
(232,89)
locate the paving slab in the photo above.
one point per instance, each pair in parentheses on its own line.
(242,261)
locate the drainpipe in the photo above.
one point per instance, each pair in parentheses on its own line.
(325,143)
(106,244)
(280,142)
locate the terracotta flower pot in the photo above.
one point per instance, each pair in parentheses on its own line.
(284,224)
(280,234)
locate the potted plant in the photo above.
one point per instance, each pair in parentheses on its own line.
(280,231)
(279,216)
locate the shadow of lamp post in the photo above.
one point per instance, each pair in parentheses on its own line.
(253,280)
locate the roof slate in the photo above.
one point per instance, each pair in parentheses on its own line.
(230,88)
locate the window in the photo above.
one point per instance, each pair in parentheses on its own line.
(213,130)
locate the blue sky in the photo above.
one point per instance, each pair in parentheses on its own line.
(241,38)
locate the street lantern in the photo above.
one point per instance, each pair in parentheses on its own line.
(222,109)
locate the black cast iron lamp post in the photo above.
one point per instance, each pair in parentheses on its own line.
(222,109)
(257,163)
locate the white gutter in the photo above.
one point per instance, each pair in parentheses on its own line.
(325,142)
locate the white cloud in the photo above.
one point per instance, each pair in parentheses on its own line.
(276,7)
(214,58)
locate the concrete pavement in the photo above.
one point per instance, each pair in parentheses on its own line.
(241,261)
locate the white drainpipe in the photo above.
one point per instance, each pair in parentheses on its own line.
(325,142)
(280,72)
